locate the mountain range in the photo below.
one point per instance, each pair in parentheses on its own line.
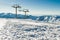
(44,18)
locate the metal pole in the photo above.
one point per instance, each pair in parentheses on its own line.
(16,12)
(25,14)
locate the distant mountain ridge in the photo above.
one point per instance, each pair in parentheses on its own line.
(45,18)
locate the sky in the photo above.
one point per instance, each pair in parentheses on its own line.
(35,7)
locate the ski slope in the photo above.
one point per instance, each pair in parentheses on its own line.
(27,29)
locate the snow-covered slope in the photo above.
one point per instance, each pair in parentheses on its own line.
(27,29)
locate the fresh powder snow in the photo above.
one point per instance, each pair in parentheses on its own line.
(27,29)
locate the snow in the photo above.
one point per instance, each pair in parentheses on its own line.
(27,29)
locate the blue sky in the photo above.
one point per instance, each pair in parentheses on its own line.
(36,7)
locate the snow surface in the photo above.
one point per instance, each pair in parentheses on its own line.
(27,29)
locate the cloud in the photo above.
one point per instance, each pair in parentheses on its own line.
(45,12)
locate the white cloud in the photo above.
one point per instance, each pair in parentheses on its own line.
(45,12)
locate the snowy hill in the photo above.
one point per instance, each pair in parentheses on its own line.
(27,29)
